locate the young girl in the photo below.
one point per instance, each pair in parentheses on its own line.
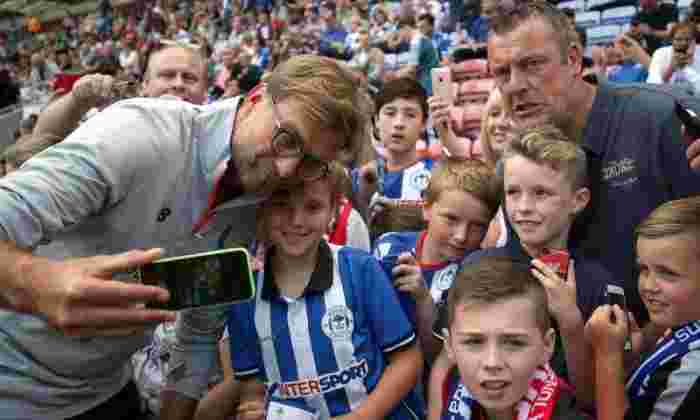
(665,384)
(325,329)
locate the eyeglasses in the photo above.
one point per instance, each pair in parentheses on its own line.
(286,142)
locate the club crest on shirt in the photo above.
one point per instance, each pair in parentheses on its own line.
(443,279)
(419,179)
(338,323)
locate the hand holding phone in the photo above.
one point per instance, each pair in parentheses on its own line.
(442,83)
(557,260)
(204,279)
(616,296)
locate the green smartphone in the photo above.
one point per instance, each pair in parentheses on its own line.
(207,278)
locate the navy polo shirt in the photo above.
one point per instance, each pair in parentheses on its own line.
(636,162)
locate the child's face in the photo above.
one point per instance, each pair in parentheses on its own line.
(497,347)
(457,223)
(296,220)
(669,279)
(540,202)
(400,125)
(497,123)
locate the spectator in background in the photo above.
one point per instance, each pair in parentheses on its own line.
(679,63)
(634,63)
(656,17)
(635,32)
(416,55)
(332,43)
(43,70)
(129,57)
(354,25)
(9,90)
(478,24)
(441,41)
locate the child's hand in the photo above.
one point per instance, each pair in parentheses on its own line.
(408,277)
(606,336)
(561,294)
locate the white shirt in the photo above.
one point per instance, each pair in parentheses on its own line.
(661,60)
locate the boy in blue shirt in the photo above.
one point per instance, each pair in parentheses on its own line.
(460,200)
(325,330)
(402,112)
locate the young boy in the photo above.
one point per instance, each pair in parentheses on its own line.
(402,111)
(665,385)
(325,330)
(545,189)
(460,200)
(499,337)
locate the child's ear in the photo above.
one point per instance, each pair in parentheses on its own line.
(582,197)
(550,339)
(427,211)
(448,346)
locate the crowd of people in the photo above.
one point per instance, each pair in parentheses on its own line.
(520,245)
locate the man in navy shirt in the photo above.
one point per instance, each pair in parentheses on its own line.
(631,134)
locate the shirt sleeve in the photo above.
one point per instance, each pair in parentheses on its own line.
(389,323)
(246,356)
(85,174)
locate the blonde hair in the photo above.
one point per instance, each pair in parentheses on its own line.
(484,136)
(672,218)
(470,176)
(330,94)
(547,145)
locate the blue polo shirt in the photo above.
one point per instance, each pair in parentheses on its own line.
(329,347)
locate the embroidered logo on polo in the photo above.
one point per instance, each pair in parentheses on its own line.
(419,179)
(324,383)
(338,323)
(619,173)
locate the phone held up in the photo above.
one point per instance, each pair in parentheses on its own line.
(616,296)
(442,83)
(557,260)
(203,279)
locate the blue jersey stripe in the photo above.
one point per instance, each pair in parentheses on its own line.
(282,339)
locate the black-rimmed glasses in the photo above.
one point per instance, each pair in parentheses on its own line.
(286,142)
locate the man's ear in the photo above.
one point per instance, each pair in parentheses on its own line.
(574,56)
(427,211)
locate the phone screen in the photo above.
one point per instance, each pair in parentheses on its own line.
(201,279)
(616,296)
